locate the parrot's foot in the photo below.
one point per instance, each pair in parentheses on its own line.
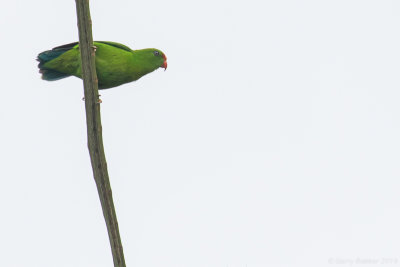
(99,101)
(94,48)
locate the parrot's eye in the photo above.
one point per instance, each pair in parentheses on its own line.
(156,53)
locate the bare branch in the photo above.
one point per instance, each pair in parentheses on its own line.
(94,129)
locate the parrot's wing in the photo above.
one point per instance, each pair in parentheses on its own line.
(72,45)
(118,45)
(66,46)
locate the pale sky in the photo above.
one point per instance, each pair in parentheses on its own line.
(273,139)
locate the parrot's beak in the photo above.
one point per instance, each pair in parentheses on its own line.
(165,64)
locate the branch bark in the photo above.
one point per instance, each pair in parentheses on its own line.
(94,129)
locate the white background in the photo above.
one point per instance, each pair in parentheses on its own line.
(271,140)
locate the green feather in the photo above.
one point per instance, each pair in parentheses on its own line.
(118,45)
(116,63)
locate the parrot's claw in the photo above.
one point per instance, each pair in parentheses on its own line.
(99,101)
(94,48)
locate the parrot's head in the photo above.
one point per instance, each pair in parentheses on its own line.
(154,58)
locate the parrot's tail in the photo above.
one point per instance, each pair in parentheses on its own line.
(46,56)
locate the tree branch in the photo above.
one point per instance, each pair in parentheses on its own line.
(94,129)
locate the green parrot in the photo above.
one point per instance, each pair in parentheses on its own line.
(116,63)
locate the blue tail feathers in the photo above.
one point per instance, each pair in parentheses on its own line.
(46,56)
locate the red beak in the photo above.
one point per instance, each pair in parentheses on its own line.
(165,64)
